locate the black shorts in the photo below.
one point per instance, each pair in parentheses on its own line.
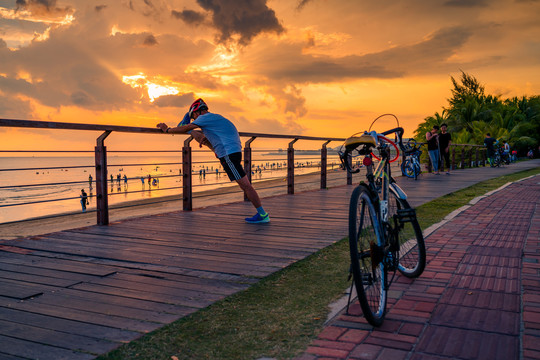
(232,164)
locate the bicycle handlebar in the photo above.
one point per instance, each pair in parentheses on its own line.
(344,156)
(399,131)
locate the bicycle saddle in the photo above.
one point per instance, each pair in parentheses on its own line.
(365,139)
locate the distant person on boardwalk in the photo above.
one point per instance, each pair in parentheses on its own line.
(445,140)
(506,152)
(84,200)
(432,138)
(490,143)
(90,180)
(221,136)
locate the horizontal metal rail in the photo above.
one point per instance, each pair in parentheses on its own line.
(101,165)
(294,160)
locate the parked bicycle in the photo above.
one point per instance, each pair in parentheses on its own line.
(500,157)
(384,234)
(411,167)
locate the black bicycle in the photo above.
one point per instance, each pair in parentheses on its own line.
(384,234)
(410,167)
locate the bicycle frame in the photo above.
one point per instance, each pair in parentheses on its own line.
(382,175)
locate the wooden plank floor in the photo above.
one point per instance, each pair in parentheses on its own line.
(79,293)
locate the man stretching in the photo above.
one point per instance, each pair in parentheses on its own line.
(222,137)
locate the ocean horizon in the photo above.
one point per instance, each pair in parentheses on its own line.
(36,186)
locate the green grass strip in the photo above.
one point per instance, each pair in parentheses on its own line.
(280,315)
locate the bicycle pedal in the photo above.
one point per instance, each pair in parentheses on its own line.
(367,279)
(406,215)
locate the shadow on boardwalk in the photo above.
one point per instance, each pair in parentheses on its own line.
(79,293)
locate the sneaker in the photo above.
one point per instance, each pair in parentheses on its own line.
(258,219)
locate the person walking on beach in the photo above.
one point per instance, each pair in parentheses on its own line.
(221,136)
(90,181)
(490,143)
(445,140)
(433,148)
(84,200)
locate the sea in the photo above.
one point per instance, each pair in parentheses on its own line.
(40,186)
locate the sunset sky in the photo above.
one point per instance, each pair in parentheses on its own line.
(309,67)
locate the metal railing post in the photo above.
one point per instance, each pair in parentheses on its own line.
(248,161)
(349,175)
(187,188)
(102,197)
(290,167)
(463,158)
(324,164)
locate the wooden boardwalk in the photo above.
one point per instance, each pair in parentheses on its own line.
(79,293)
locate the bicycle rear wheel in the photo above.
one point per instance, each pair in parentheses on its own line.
(367,253)
(412,249)
(407,168)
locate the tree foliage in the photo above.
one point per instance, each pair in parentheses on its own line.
(471,113)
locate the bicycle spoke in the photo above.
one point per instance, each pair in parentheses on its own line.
(412,253)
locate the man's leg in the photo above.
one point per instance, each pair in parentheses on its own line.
(261,216)
(250,191)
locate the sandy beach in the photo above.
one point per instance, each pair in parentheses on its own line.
(226,194)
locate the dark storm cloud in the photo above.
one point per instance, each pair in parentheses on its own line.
(244,19)
(467,3)
(79,79)
(180,101)
(41,6)
(302,3)
(430,55)
(190,17)
(150,40)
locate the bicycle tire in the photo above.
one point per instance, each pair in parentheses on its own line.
(364,237)
(407,168)
(412,253)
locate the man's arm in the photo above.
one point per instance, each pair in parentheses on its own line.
(184,129)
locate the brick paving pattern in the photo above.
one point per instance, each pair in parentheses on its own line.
(479,297)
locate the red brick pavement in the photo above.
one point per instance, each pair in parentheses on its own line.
(479,297)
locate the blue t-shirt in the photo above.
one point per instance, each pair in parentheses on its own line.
(221,133)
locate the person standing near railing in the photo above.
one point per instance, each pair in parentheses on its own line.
(433,148)
(490,143)
(445,140)
(221,136)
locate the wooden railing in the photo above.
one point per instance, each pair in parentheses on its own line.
(102,207)
(461,156)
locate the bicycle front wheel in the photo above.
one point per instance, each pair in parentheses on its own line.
(367,254)
(412,249)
